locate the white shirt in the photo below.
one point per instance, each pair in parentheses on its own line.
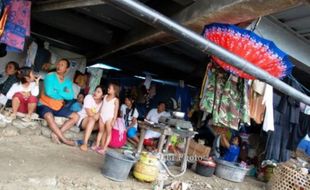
(154,116)
(268,101)
(18,87)
(131,115)
(89,103)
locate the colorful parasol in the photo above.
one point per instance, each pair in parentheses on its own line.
(246,44)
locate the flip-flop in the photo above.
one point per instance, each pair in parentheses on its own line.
(101,151)
(94,148)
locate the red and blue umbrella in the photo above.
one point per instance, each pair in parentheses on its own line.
(253,48)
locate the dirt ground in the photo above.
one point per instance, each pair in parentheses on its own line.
(34,162)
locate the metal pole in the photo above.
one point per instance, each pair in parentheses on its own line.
(156,19)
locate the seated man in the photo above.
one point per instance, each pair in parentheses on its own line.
(153,116)
(57,90)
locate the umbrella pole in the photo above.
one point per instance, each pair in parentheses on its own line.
(157,20)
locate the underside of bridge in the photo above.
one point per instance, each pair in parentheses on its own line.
(107,35)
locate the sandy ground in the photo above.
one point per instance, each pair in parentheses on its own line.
(34,162)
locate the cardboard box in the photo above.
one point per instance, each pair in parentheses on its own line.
(198,150)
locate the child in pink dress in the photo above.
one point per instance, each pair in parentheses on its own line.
(108,116)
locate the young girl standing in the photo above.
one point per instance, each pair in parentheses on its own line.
(108,116)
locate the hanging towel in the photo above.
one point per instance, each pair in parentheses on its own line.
(17,27)
(31,54)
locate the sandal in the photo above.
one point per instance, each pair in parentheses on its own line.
(101,151)
(94,148)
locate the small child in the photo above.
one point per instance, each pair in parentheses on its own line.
(108,116)
(23,94)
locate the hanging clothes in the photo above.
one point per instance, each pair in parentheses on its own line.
(213,91)
(232,108)
(225,96)
(42,57)
(148,81)
(268,101)
(300,131)
(256,96)
(204,83)
(286,119)
(183,98)
(17,27)
(31,54)
(95,78)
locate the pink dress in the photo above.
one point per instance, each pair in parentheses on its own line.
(107,110)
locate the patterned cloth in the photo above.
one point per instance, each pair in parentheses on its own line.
(225,96)
(95,78)
(18,25)
(8,83)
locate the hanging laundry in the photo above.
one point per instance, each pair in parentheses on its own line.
(148,81)
(43,57)
(225,96)
(268,101)
(233,109)
(204,83)
(183,98)
(17,27)
(214,89)
(95,78)
(256,95)
(286,120)
(299,131)
(31,54)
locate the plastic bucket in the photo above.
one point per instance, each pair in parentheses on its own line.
(117,166)
(230,171)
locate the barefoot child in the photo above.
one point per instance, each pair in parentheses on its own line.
(90,114)
(108,116)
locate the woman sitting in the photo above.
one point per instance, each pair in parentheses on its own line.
(130,114)
(23,93)
(89,115)
(10,70)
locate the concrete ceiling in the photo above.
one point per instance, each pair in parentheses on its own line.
(105,34)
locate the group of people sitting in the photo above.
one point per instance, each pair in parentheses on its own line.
(99,112)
